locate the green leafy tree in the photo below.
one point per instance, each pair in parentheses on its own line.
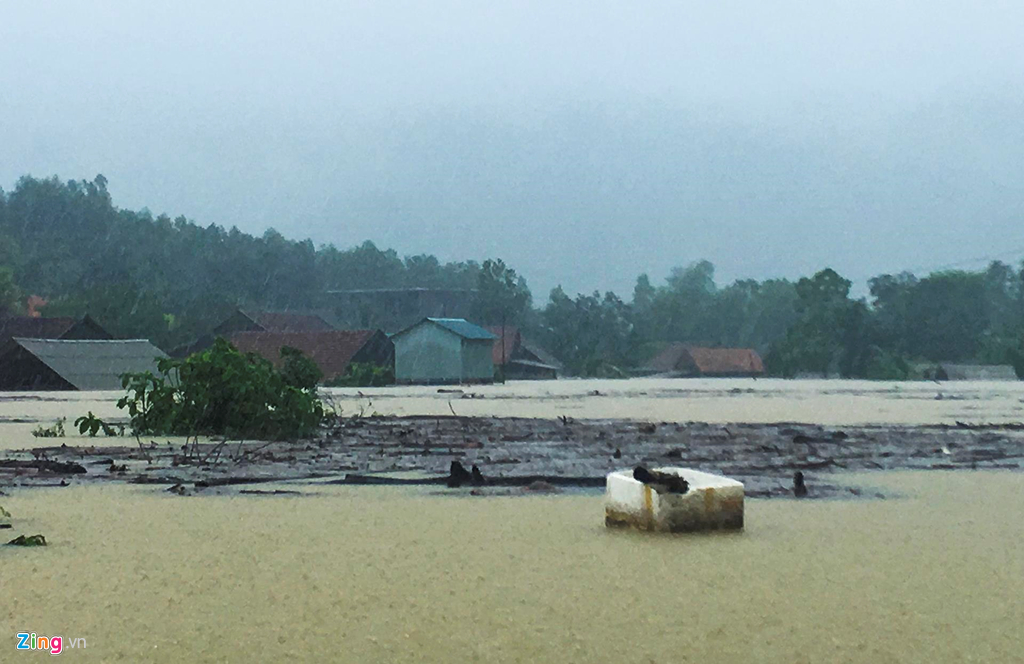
(9,293)
(502,295)
(829,336)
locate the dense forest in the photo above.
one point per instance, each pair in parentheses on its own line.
(172,280)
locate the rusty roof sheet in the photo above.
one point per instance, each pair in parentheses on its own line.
(512,339)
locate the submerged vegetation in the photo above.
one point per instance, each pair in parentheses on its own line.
(172,281)
(221,391)
(55,431)
(92,425)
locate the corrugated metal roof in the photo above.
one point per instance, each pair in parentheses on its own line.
(516,346)
(463,328)
(94,365)
(531,363)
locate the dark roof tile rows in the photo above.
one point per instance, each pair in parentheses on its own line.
(332,351)
(695,360)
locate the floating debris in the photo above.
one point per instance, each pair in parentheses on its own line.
(458,475)
(32,540)
(799,488)
(661,482)
(710,502)
(540,486)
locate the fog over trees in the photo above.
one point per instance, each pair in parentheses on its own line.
(172,280)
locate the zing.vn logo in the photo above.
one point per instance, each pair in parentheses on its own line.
(54,644)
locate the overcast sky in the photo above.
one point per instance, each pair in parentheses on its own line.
(583,142)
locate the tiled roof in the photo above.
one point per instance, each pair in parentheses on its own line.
(681,358)
(670,359)
(332,351)
(34,328)
(723,361)
(94,365)
(283,321)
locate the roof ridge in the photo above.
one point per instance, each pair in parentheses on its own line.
(81,341)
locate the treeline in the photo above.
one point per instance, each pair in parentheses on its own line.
(811,326)
(172,280)
(603,335)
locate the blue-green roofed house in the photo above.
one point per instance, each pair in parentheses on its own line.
(443,351)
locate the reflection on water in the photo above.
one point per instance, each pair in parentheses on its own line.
(371,574)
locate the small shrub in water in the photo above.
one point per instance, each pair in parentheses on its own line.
(56,431)
(91,424)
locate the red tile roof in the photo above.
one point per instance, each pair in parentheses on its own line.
(694,360)
(332,351)
(725,361)
(274,321)
(673,358)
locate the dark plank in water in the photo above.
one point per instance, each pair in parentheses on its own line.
(514,480)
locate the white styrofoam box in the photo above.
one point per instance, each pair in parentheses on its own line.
(713,502)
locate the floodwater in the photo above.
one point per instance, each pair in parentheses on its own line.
(826,402)
(360,574)
(372,574)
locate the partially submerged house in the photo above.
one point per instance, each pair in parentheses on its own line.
(38,327)
(950,371)
(271,321)
(62,364)
(684,361)
(518,359)
(256,321)
(444,350)
(332,351)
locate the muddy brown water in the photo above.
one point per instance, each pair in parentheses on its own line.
(368,574)
(825,402)
(382,574)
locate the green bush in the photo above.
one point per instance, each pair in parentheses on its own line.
(92,425)
(221,391)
